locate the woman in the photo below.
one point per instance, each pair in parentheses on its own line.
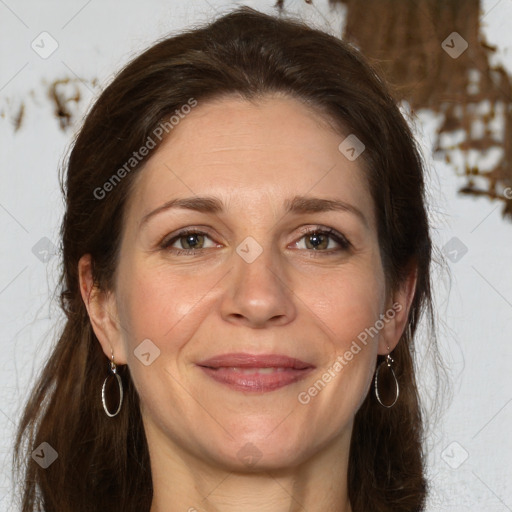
(246,258)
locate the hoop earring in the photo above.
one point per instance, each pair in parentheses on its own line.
(113,369)
(388,362)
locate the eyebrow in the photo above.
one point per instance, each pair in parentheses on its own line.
(297,205)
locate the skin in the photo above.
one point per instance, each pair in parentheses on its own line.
(292,299)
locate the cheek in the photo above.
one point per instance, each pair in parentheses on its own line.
(154,302)
(159,314)
(332,398)
(347,302)
(346,311)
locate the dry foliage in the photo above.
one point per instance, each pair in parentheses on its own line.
(406,40)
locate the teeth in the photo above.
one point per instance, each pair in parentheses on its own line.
(262,371)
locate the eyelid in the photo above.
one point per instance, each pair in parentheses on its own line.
(338,237)
(168,240)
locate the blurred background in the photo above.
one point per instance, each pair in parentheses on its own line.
(449,63)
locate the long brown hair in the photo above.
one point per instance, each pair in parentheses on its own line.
(103,463)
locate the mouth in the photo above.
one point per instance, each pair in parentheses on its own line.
(255,373)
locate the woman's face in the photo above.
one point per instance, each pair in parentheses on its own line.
(279,268)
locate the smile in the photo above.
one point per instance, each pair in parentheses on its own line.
(255,373)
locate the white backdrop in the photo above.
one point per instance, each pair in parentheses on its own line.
(470,447)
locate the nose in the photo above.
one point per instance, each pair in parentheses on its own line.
(258,294)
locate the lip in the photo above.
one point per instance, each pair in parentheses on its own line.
(255,373)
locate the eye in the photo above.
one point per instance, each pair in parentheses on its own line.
(188,241)
(316,239)
(323,240)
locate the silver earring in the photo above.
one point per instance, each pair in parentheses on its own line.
(113,369)
(388,362)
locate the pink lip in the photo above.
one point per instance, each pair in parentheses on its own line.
(234,370)
(254,361)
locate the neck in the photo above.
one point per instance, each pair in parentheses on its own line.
(262,493)
(318,484)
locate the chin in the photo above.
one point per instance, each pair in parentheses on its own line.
(253,454)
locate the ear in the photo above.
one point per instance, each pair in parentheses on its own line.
(102,309)
(397,312)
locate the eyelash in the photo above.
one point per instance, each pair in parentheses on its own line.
(319,230)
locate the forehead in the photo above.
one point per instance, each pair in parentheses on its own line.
(251,154)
